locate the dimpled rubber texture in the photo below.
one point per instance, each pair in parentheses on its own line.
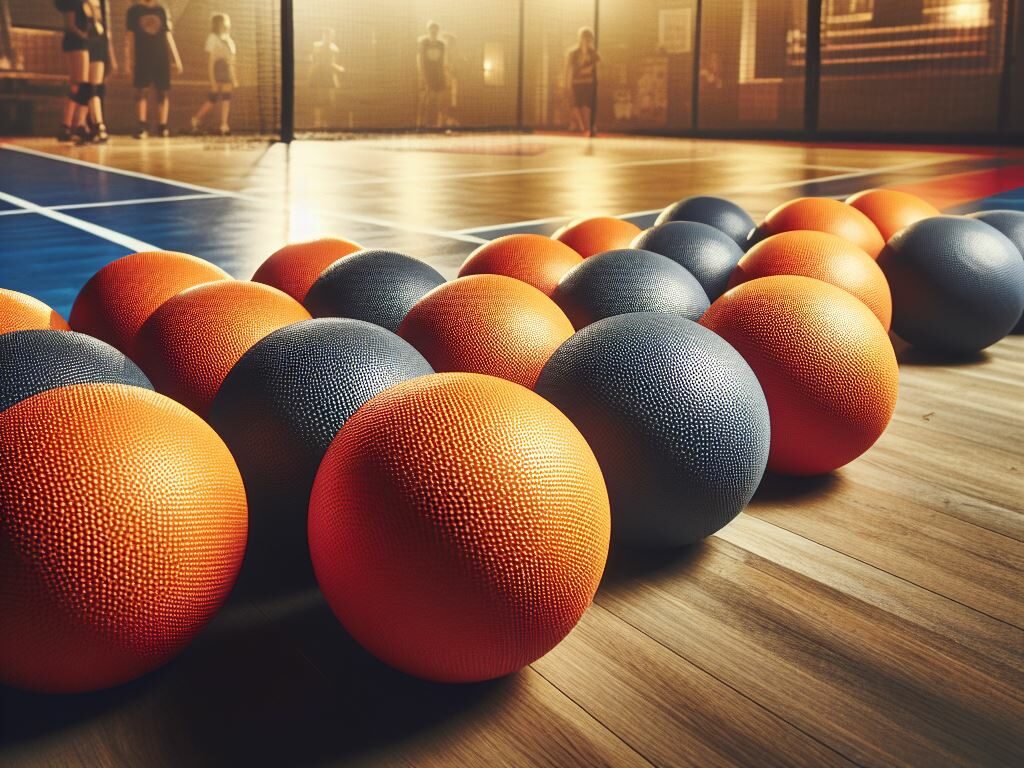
(21,312)
(35,361)
(534,259)
(459,527)
(676,419)
(822,214)
(722,214)
(122,527)
(119,298)
(825,364)
(488,324)
(705,252)
(891,210)
(824,257)
(1011,224)
(191,342)
(597,235)
(280,407)
(377,286)
(628,280)
(295,267)
(957,284)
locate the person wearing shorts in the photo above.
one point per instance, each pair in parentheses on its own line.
(86,46)
(150,51)
(432,64)
(581,76)
(324,75)
(220,50)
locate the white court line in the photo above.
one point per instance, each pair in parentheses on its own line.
(446,234)
(93,229)
(761,188)
(113,203)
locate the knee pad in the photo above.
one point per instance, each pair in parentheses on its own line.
(213,97)
(226,96)
(83,92)
(101,90)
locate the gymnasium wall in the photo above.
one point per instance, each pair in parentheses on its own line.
(887,67)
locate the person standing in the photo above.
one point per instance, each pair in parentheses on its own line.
(432,65)
(221,50)
(324,77)
(86,46)
(149,52)
(581,80)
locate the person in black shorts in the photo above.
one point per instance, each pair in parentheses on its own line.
(581,80)
(149,52)
(86,46)
(432,64)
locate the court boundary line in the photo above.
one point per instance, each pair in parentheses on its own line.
(112,203)
(213,192)
(95,230)
(760,188)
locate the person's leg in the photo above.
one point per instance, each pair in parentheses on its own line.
(204,109)
(225,107)
(164,101)
(585,120)
(78,72)
(97,70)
(141,111)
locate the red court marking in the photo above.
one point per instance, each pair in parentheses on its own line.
(947,191)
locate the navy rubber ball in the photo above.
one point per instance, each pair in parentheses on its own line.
(36,361)
(628,280)
(957,284)
(1011,224)
(676,419)
(377,286)
(707,253)
(724,215)
(279,409)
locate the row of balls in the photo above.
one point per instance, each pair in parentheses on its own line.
(458,523)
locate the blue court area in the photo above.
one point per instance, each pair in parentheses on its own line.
(62,219)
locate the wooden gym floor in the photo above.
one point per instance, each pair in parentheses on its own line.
(870,617)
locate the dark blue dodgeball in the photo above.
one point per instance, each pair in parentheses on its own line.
(957,284)
(36,361)
(279,409)
(707,253)
(675,416)
(724,215)
(377,286)
(628,280)
(1011,224)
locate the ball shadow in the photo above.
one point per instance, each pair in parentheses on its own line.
(915,356)
(629,564)
(775,488)
(271,684)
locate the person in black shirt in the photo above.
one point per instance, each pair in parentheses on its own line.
(86,46)
(432,64)
(149,52)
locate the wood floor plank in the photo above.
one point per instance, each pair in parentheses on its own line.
(847,674)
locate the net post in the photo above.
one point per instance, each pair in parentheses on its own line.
(287,71)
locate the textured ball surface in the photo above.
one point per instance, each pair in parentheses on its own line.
(825,364)
(191,342)
(957,284)
(676,419)
(121,297)
(822,214)
(295,267)
(628,280)
(35,361)
(891,210)
(1011,224)
(280,407)
(21,312)
(459,527)
(597,235)
(488,324)
(722,214)
(705,252)
(824,257)
(534,259)
(122,527)
(377,286)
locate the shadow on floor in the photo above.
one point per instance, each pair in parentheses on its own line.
(775,488)
(274,684)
